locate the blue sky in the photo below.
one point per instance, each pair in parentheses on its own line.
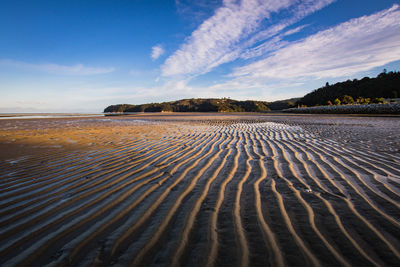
(81,56)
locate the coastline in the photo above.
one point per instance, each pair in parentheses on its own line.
(46,115)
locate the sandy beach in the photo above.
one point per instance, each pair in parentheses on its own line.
(200,190)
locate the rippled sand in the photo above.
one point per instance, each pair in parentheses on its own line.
(200,190)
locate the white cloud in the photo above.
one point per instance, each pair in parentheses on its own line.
(157,51)
(292,69)
(298,12)
(271,44)
(295,30)
(270,38)
(211,43)
(77,69)
(268,46)
(351,47)
(234,27)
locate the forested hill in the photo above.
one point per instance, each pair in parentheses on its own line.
(194,105)
(364,91)
(386,85)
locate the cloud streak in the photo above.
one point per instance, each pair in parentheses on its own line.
(344,50)
(213,42)
(348,48)
(233,28)
(78,69)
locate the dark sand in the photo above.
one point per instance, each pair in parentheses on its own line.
(200,190)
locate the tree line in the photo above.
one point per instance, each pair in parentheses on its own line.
(364,91)
(194,105)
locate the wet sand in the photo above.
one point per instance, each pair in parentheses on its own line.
(200,190)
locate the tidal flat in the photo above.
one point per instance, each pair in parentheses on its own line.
(200,189)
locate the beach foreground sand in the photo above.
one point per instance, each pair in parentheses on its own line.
(200,190)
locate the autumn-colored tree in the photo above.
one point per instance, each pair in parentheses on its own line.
(347,100)
(378,100)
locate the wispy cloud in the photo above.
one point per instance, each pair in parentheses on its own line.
(292,68)
(157,51)
(295,30)
(275,31)
(266,47)
(357,45)
(78,69)
(233,28)
(272,44)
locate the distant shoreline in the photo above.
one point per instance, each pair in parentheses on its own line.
(45,115)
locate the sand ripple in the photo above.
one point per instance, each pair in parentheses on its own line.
(214,192)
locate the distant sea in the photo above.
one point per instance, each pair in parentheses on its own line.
(8,116)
